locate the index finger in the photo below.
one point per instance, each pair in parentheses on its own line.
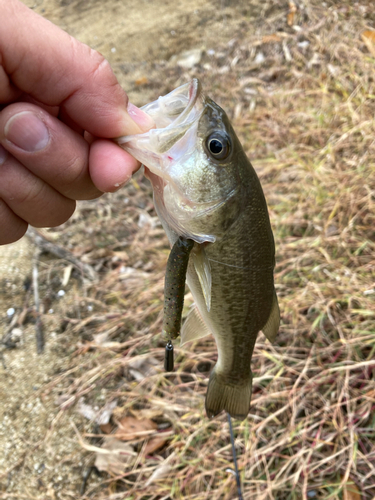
(46,62)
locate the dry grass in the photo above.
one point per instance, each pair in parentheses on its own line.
(305,115)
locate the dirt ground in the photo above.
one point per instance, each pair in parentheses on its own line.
(41,457)
(304,112)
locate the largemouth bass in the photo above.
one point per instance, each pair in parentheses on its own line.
(206,190)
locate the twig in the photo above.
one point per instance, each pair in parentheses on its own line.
(6,339)
(48,246)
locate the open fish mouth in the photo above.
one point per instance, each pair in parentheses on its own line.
(177,107)
(174,114)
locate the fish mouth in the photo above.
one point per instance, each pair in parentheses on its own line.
(174,114)
(177,107)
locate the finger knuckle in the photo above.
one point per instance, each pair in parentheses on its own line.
(12,228)
(102,71)
(30,193)
(70,176)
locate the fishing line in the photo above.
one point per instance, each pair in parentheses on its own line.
(168,366)
(240,497)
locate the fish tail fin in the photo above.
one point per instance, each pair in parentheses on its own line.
(234,399)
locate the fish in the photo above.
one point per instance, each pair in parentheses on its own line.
(206,190)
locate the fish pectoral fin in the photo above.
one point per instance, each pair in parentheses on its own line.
(194,327)
(203,270)
(272,326)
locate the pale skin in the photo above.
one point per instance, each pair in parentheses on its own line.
(60,104)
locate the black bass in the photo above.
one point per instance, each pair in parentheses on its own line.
(206,190)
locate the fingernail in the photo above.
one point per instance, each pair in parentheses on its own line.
(141,118)
(3,154)
(27,131)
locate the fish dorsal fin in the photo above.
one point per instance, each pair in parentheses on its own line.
(194,327)
(272,326)
(203,270)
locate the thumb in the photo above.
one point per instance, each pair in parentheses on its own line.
(58,70)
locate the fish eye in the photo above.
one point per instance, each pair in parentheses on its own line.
(218,145)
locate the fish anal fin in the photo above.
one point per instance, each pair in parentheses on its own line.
(271,328)
(203,270)
(194,327)
(235,399)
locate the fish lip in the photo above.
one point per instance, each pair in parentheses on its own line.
(151,148)
(189,95)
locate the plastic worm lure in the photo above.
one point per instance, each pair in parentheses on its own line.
(174,291)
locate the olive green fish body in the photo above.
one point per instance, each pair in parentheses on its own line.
(206,190)
(242,295)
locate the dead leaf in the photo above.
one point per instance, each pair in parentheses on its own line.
(368,37)
(158,473)
(351,492)
(106,428)
(121,256)
(105,413)
(188,58)
(291,13)
(67,273)
(271,38)
(140,368)
(150,413)
(100,338)
(130,428)
(100,416)
(370,394)
(287,54)
(143,80)
(131,276)
(114,456)
(154,444)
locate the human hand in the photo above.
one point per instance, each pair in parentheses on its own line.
(60,103)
